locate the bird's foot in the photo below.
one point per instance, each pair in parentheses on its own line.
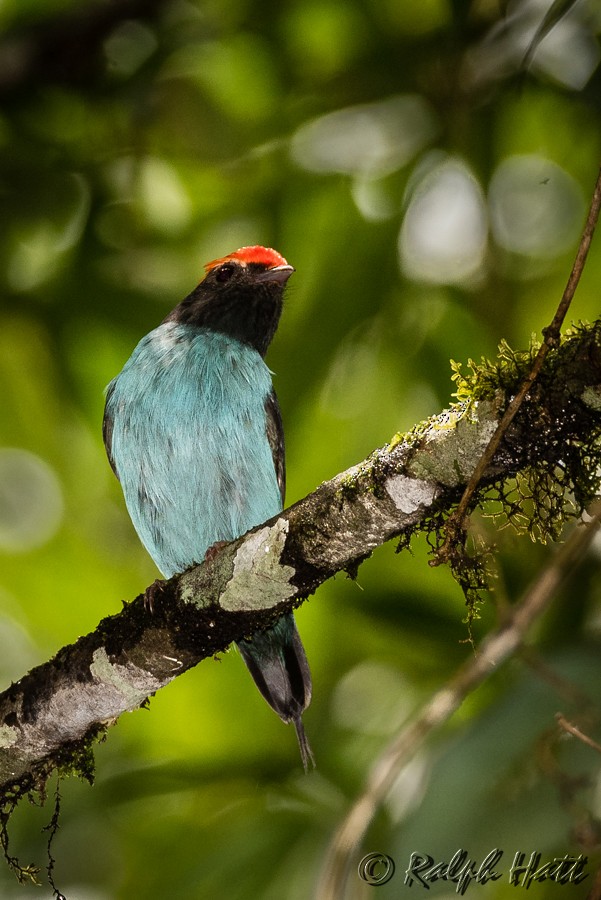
(214,549)
(152,593)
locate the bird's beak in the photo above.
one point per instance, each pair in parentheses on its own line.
(279,274)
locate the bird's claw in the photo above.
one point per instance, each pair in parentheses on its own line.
(214,549)
(152,593)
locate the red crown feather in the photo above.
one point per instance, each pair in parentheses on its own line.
(263,255)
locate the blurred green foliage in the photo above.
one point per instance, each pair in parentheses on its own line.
(430,196)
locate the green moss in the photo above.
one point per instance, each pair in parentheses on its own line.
(554,477)
(485,378)
(356,479)
(75,758)
(9,799)
(395,441)
(554,474)
(352,481)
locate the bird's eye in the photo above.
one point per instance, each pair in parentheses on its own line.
(225,272)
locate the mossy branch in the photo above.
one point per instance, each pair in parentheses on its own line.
(49,718)
(551,337)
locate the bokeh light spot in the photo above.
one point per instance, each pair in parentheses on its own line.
(31,501)
(444,233)
(370,139)
(536,208)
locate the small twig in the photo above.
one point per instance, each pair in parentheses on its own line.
(456,522)
(556,12)
(569,786)
(499,646)
(575,731)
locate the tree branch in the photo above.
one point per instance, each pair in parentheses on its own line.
(48,718)
(551,336)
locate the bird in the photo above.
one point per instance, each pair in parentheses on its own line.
(193,431)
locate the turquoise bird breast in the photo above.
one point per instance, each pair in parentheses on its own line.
(218,479)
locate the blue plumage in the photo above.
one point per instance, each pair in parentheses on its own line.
(189,444)
(193,432)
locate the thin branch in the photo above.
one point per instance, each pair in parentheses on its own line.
(576,732)
(556,12)
(497,648)
(551,336)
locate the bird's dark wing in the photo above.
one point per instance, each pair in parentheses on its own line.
(275,436)
(107,430)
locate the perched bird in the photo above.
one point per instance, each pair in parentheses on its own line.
(193,432)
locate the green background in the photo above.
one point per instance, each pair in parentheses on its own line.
(430,196)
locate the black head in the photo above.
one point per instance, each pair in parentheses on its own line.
(241,296)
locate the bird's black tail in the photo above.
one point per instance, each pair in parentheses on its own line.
(276,660)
